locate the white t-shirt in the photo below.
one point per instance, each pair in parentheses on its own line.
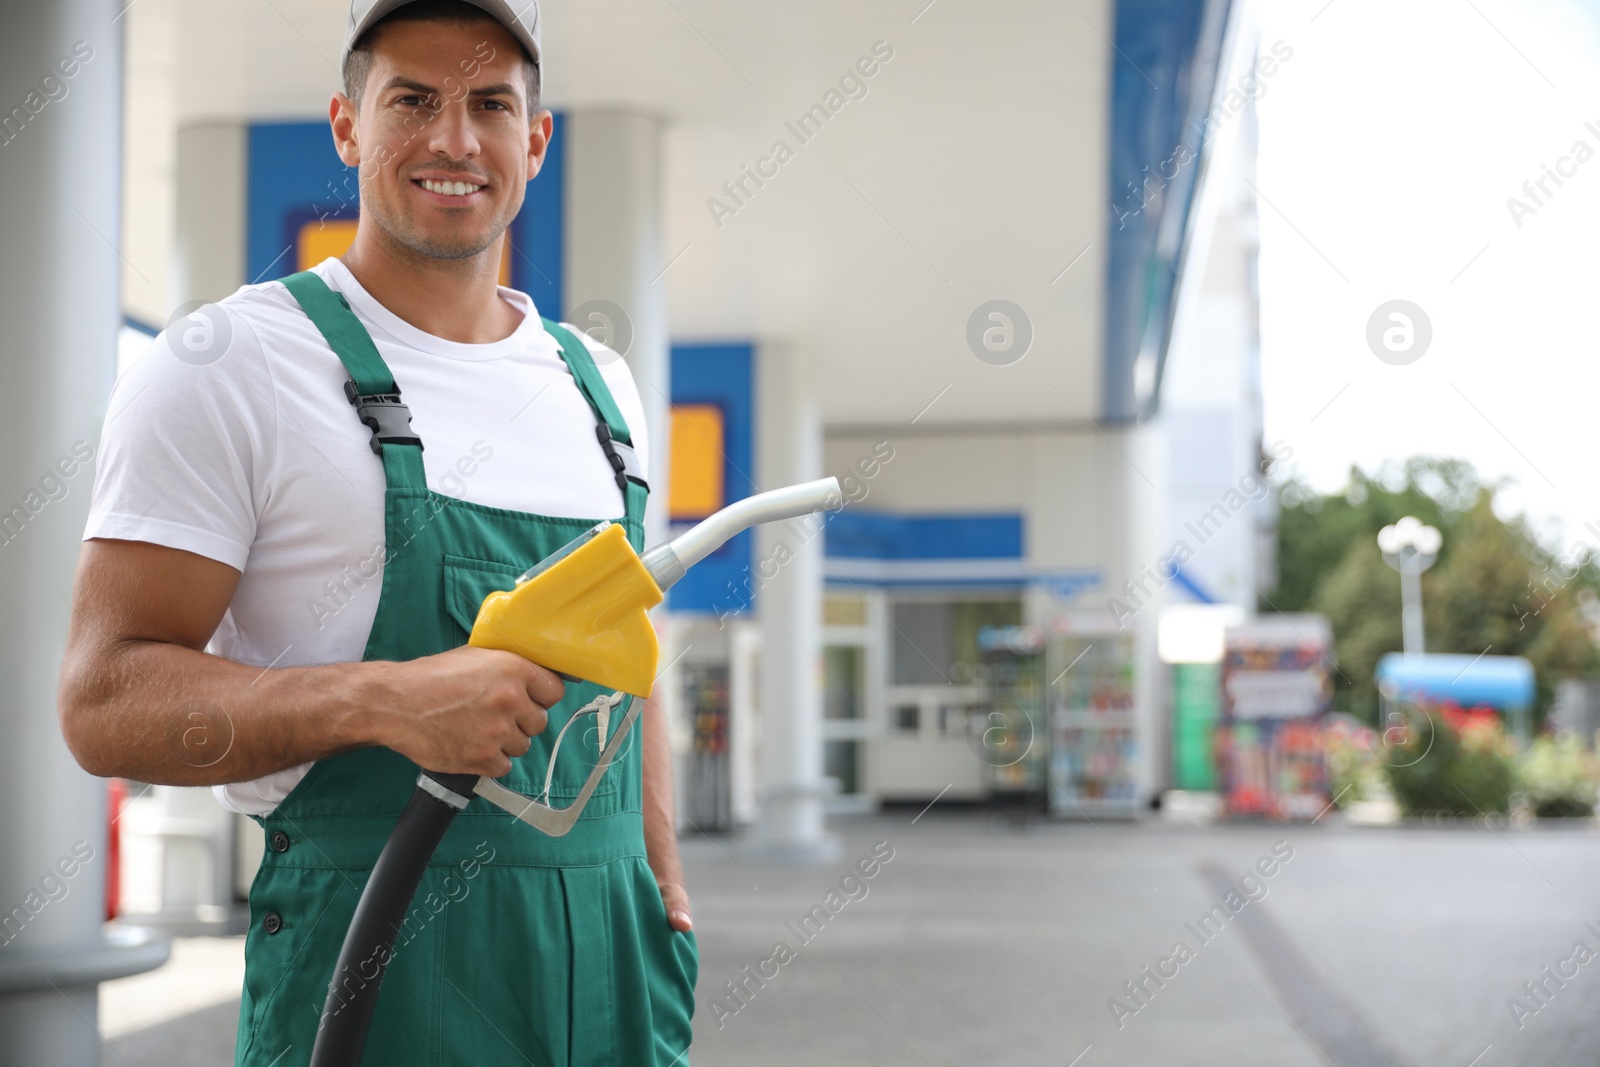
(256,459)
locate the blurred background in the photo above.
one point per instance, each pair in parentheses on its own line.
(1209,638)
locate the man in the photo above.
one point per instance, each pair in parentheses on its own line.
(274,596)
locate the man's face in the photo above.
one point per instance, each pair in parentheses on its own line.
(443,138)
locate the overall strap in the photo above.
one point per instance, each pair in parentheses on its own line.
(610,427)
(371,389)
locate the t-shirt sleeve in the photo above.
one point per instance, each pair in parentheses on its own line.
(183,454)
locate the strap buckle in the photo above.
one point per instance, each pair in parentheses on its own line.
(384,414)
(623,459)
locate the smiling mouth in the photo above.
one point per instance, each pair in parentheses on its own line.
(457,188)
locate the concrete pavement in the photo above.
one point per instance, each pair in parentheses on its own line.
(980,940)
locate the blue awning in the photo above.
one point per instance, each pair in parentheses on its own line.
(1499,681)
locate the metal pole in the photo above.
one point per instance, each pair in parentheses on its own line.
(1411,597)
(60,151)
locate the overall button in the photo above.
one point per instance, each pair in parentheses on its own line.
(272,922)
(280,841)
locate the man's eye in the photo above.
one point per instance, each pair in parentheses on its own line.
(499,104)
(412,100)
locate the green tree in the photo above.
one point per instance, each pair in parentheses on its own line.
(1494,588)
(1504,594)
(1315,531)
(1361,598)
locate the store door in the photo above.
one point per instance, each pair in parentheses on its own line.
(844,723)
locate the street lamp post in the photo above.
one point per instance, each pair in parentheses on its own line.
(1410,548)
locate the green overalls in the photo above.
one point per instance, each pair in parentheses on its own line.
(520,948)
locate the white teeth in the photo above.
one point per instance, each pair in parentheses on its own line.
(449,188)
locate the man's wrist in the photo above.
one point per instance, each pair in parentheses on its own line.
(368,697)
(666,866)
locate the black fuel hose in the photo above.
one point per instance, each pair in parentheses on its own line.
(369,944)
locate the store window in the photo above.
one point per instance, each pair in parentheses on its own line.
(936,642)
(907,718)
(961,720)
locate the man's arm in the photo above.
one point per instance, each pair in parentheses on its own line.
(660,821)
(139,698)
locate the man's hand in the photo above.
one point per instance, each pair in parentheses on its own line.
(468,711)
(676,899)
(660,832)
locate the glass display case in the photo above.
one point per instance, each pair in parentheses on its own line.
(1007,732)
(1093,736)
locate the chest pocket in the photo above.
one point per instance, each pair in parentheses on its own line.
(467,582)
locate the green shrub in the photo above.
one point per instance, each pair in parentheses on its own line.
(1559,777)
(1451,763)
(1354,772)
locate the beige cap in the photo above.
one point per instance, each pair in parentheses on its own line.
(521,17)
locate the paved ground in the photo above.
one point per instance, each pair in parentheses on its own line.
(982,941)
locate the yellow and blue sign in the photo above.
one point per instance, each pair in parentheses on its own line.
(699,478)
(712,461)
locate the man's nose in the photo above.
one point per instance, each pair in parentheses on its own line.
(450,132)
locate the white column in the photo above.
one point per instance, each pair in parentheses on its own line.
(60,143)
(788,578)
(1137,467)
(212,185)
(615,290)
(613,256)
(744,724)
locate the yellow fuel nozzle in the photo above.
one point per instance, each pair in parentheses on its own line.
(584,611)
(584,615)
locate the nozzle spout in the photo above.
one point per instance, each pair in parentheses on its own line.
(669,562)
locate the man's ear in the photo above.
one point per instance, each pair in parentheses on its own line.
(539,132)
(342,121)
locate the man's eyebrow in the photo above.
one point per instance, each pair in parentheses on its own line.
(398,82)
